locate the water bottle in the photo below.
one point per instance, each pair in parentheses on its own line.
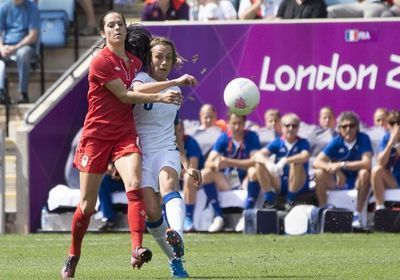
(44,219)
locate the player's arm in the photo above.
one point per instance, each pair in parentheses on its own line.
(301,157)
(384,156)
(184,80)
(261,156)
(322,161)
(363,163)
(190,169)
(213,160)
(238,163)
(117,87)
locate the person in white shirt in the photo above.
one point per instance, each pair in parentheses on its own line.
(162,152)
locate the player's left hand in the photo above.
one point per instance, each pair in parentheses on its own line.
(196,175)
(186,80)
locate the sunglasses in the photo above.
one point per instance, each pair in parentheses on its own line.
(346,126)
(393,123)
(291,125)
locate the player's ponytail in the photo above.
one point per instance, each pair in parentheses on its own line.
(138,42)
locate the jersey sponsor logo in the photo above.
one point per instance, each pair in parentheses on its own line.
(117,68)
(342,150)
(84,160)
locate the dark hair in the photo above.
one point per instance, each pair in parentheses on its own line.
(138,41)
(230,113)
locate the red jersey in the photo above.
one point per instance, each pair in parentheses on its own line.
(108,118)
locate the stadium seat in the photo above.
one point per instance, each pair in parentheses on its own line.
(50,8)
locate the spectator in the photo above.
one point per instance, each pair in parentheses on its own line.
(294,9)
(90,27)
(272,127)
(386,174)
(196,161)
(258,9)
(228,165)
(324,132)
(345,163)
(216,10)
(380,118)
(364,9)
(160,10)
(394,10)
(19,25)
(209,130)
(287,175)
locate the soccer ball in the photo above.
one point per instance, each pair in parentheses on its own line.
(242,96)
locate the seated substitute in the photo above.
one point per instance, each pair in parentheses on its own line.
(228,164)
(386,174)
(345,163)
(19,28)
(288,174)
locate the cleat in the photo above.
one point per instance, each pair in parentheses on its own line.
(217,224)
(68,270)
(175,240)
(177,269)
(188,225)
(140,256)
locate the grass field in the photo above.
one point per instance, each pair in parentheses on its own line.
(210,256)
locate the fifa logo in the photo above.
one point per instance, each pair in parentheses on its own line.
(354,35)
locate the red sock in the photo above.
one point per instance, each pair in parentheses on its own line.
(80,223)
(136,216)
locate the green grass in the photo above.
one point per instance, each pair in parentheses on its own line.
(210,256)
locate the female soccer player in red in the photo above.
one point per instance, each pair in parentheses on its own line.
(109,134)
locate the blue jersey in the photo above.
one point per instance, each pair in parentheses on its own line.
(17,20)
(192,149)
(394,159)
(279,149)
(226,147)
(336,150)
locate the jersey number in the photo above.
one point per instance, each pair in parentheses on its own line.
(148,106)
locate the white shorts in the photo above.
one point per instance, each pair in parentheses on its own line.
(152,163)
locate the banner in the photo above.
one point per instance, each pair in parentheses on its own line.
(299,67)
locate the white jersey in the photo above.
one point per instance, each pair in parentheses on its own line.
(155,121)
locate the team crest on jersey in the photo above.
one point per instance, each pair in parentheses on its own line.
(84,160)
(341,150)
(117,68)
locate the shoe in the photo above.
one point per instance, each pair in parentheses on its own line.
(217,224)
(106,225)
(23,100)
(88,31)
(269,205)
(240,225)
(175,240)
(177,269)
(68,270)
(288,206)
(188,224)
(356,221)
(140,256)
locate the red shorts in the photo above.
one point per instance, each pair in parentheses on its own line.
(93,155)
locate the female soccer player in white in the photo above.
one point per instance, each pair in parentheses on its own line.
(162,160)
